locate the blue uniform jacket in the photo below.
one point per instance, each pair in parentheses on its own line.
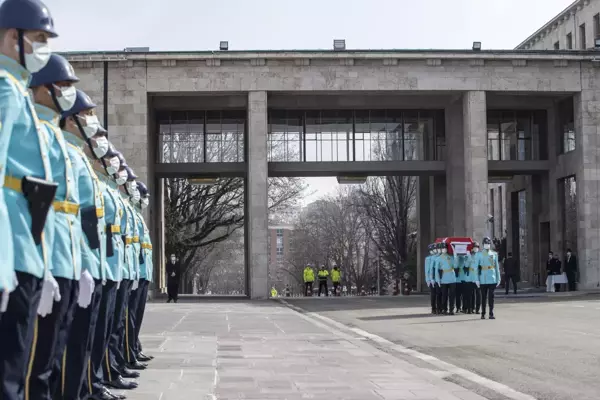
(66,252)
(433,268)
(147,270)
(428,260)
(445,269)
(135,242)
(24,148)
(127,231)
(490,270)
(472,264)
(461,262)
(113,214)
(90,195)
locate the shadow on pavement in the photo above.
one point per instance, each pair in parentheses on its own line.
(399,316)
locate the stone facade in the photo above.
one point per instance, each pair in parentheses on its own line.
(464,84)
(575,28)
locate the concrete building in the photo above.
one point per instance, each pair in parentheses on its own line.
(576,27)
(462,119)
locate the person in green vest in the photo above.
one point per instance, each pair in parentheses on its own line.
(309,278)
(336,278)
(323,275)
(273,292)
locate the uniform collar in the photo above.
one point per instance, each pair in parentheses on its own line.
(47,114)
(74,139)
(16,69)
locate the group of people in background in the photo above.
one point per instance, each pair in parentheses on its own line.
(75,252)
(462,282)
(323,278)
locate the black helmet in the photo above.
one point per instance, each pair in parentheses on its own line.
(487,240)
(476,244)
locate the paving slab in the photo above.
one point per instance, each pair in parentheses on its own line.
(265,350)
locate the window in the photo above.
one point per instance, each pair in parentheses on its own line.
(582,44)
(279,232)
(512,135)
(596,26)
(569,41)
(568,205)
(566,126)
(557,46)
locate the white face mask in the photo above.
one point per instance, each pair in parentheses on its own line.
(91,125)
(135,196)
(475,249)
(145,202)
(568,254)
(173,260)
(101,147)
(122,178)
(486,246)
(67,97)
(113,165)
(131,186)
(38,59)
(444,251)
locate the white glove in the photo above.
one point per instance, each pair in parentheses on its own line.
(172,273)
(4,300)
(429,283)
(478,284)
(498,283)
(86,289)
(6,294)
(135,285)
(50,293)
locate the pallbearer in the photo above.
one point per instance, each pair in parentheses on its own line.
(447,279)
(429,264)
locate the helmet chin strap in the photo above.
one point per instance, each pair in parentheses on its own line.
(21,42)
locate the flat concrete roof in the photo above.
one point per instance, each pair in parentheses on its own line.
(408,54)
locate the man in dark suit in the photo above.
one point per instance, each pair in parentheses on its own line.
(511,273)
(571,270)
(556,267)
(173,272)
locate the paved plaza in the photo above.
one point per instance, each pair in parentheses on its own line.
(265,350)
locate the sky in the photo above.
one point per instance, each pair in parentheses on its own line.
(165,25)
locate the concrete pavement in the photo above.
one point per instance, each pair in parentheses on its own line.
(547,348)
(265,350)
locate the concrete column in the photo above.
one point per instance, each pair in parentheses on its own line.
(425,224)
(587,128)
(466,166)
(534,209)
(257,210)
(438,206)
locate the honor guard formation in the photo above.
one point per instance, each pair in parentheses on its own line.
(462,278)
(75,252)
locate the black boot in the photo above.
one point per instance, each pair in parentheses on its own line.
(492,315)
(482,315)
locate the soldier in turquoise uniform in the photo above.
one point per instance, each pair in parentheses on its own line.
(429,277)
(489,276)
(87,141)
(24,168)
(473,293)
(115,252)
(54,93)
(133,193)
(460,269)
(447,279)
(115,366)
(146,272)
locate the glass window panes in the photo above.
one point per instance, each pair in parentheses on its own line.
(346,135)
(201,136)
(513,135)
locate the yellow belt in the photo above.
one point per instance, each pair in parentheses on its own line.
(13,183)
(128,240)
(136,239)
(146,246)
(448,270)
(100,212)
(486,268)
(115,229)
(66,207)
